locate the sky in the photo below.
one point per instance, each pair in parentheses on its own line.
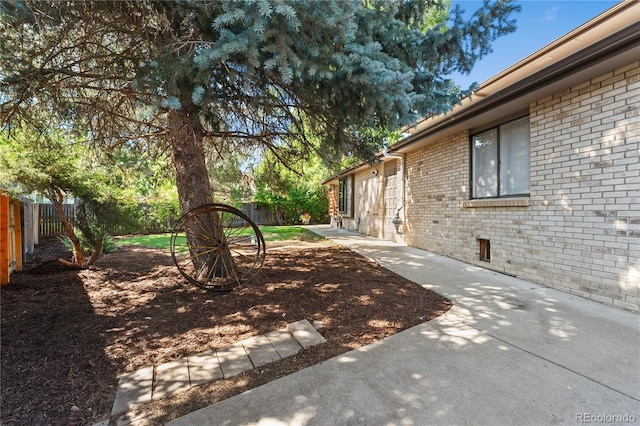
(539,23)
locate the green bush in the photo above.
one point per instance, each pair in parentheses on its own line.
(108,247)
(159,215)
(296,203)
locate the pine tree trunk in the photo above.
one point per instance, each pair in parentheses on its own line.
(97,252)
(57,198)
(194,188)
(192,178)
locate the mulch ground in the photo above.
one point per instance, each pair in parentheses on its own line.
(66,335)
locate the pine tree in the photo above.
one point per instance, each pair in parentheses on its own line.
(193,74)
(238,72)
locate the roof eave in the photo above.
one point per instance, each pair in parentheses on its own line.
(616,44)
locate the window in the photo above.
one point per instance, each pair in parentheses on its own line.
(345,195)
(500,161)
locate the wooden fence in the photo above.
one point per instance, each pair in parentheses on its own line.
(8,244)
(50,224)
(260,214)
(17,234)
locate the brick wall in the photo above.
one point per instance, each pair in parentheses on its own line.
(579,231)
(585,188)
(333,201)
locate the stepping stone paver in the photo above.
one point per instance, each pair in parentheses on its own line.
(234,360)
(260,350)
(177,376)
(171,377)
(305,333)
(133,388)
(284,342)
(204,367)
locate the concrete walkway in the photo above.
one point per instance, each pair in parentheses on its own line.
(509,352)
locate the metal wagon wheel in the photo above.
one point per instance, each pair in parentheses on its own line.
(216,247)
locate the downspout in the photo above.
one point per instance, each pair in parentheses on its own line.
(397,220)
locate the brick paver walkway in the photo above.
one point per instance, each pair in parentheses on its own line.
(164,380)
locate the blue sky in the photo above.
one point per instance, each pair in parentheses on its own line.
(539,23)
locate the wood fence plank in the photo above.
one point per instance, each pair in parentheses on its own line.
(4,240)
(17,232)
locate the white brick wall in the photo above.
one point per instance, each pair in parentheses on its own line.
(579,231)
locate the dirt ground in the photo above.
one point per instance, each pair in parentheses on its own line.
(66,335)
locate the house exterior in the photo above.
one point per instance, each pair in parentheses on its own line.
(536,176)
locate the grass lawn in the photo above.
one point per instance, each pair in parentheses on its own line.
(270,233)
